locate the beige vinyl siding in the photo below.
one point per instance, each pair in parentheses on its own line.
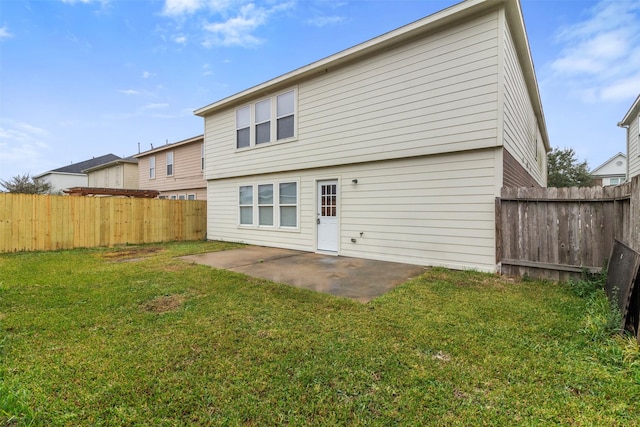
(430,210)
(130,176)
(120,175)
(521,131)
(187,170)
(433,95)
(633,149)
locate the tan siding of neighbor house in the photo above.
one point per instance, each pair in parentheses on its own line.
(633,149)
(120,175)
(188,176)
(521,131)
(430,210)
(433,95)
(130,175)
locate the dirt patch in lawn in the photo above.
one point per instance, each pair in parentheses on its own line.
(131,254)
(164,304)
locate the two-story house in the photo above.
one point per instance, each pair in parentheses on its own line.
(73,175)
(631,122)
(394,149)
(176,170)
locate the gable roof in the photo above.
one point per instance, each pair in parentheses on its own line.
(431,23)
(631,114)
(595,170)
(78,168)
(169,146)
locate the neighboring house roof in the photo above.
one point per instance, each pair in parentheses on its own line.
(169,146)
(78,168)
(601,170)
(398,36)
(631,114)
(111,163)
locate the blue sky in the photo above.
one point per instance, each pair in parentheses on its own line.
(83,78)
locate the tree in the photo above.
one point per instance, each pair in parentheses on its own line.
(564,170)
(26,184)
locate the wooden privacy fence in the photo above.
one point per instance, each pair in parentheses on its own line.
(44,222)
(556,233)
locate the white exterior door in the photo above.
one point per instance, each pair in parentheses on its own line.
(327,215)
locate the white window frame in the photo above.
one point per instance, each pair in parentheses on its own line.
(152,167)
(276,205)
(246,205)
(191,196)
(182,197)
(173,197)
(170,164)
(273,120)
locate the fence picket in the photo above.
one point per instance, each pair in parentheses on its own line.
(554,233)
(43,222)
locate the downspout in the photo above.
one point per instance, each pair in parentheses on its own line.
(620,125)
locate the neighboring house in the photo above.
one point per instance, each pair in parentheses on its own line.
(631,122)
(120,173)
(73,175)
(394,149)
(175,170)
(611,172)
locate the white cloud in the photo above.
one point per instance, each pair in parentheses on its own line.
(181,7)
(22,143)
(600,56)
(237,31)
(153,106)
(129,91)
(5,34)
(322,21)
(146,74)
(220,22)
(180,39)
(84,1)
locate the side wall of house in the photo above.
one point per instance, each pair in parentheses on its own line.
(433,95)
(109,177)
(187,169)
(521,131)
(131,176)
(633,148)
(431,210)
(62,181)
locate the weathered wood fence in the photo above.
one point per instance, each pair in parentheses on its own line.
(556,233)
(43,222)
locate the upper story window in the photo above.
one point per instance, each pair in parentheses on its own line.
(152,167)
(170,163)
(285,115)
(269,120)
(243,129)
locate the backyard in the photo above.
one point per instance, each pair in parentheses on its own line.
(134,336)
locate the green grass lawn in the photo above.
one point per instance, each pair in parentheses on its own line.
(134,336)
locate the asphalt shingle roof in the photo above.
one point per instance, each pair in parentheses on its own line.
(80,166)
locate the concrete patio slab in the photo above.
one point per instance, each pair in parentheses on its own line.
(355,278)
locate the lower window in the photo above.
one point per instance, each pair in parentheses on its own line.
(277,204)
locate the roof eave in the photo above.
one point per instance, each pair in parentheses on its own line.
(633,111)
(169,146)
